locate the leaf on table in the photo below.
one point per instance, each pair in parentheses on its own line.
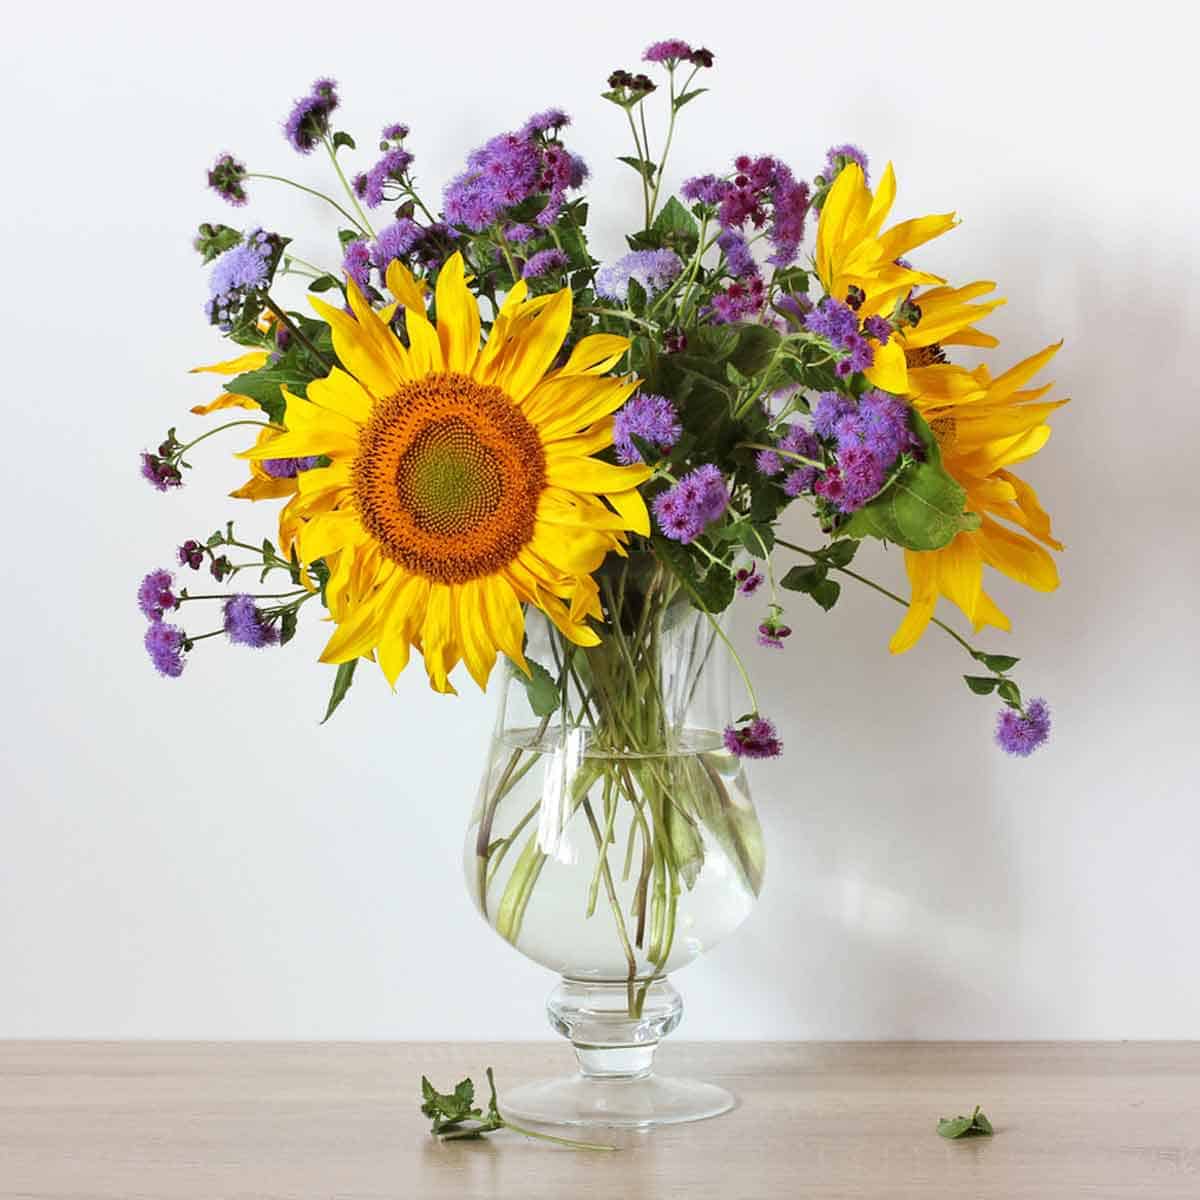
(976,1125)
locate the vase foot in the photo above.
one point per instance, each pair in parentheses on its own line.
(641,1102)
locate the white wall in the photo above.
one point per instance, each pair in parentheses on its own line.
(197,858)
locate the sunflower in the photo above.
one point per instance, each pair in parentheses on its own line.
(855,252)
(461,482)
(983,426)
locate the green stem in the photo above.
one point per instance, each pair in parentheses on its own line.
(558,1141)
(643,157)
(311,191)
(213,432)
(296,332)
(620,314)
(337,166)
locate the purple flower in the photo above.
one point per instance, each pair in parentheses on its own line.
(799,480)
(163,475)
(356,263)
(544,262)
(748,579)
(518,234)
(757,739)
(308,122)
(829,410)
(737,253)
(244,623)
(155,596)
(164,644)
(652,269)
(836,158)
(226,178)
(707,189)
(790,202)
(391,168)
(738,302)
(675,519)
(552,120)
(877,328)
(768,462)
(863,475)
(699,498)
(395,241)
(771,634)
(191,554)
(833,320)
(1021,733)
(238,275)
(289,468)
(511,168)
(885,430)
(649,417)
(669,51)
(396,132)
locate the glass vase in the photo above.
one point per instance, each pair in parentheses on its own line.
(614,840)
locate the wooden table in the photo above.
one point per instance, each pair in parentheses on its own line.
(159,1121)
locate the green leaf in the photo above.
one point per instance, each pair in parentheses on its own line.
(758,540)
(996,662)
(675,220)
(287,626)
(687,97)
(976,1125)
(952,1127)
(449,1109)
(826,593)
(540,687)
(756,346)
(263,386)
(981,685)
(840,553)
(341,685)
(322,283)
(341,139)
(643,166)
(1009,693)
(805,578)
(922,510)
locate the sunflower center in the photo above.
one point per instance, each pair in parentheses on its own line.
(448,477)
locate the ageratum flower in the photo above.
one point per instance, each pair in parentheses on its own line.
(238,275)
(461,481)
(544,262)
(155,596)
(1021,733)
(164,644)
(652,269)
(649,417)
(308,122)
(244,623)
(756,739)
(227,177)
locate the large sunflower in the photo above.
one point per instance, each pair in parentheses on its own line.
(854,251)
(983,426)
(461,481)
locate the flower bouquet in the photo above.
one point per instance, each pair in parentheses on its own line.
(492,445)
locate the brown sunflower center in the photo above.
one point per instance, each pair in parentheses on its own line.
(924,356)
(448,477)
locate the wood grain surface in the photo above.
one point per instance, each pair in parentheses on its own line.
(218,1121)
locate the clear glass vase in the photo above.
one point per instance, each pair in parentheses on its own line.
(614,841)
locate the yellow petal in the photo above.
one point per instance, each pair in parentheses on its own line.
(534,345)
(223,401)
(438,641)
(591,475)
(889,371)
(342,393)
(596,354)
(457,317)
(404,287)
(250,361)
(922,575)
(1017,557)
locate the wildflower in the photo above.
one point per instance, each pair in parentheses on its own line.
(162,473)
(836,159)
(738,302)
(649,417)
(391,168)
(396,132)
(164,644)
(220,567)
(155,595)
(704,489)
(191,554)
(356,263)
(511,168)
(652,269)
(289,468)
(550,121)
(1021,732)
(771,633)
(308,122)
(675,519)
(674,341)
(738,258)
(878,328)
(238,276)
(748,579)
(768,462)
(756,739)
(833,320)
(669,52)
(245,625)
(701,57)
(544,262)
(707,189)
(226,178)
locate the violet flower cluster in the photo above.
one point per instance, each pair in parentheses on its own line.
(164,643)
(245,625)
(237,276)
(651,418)
(652,270)
(308,122)
(685,509)
(512,168)
(1021,733)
